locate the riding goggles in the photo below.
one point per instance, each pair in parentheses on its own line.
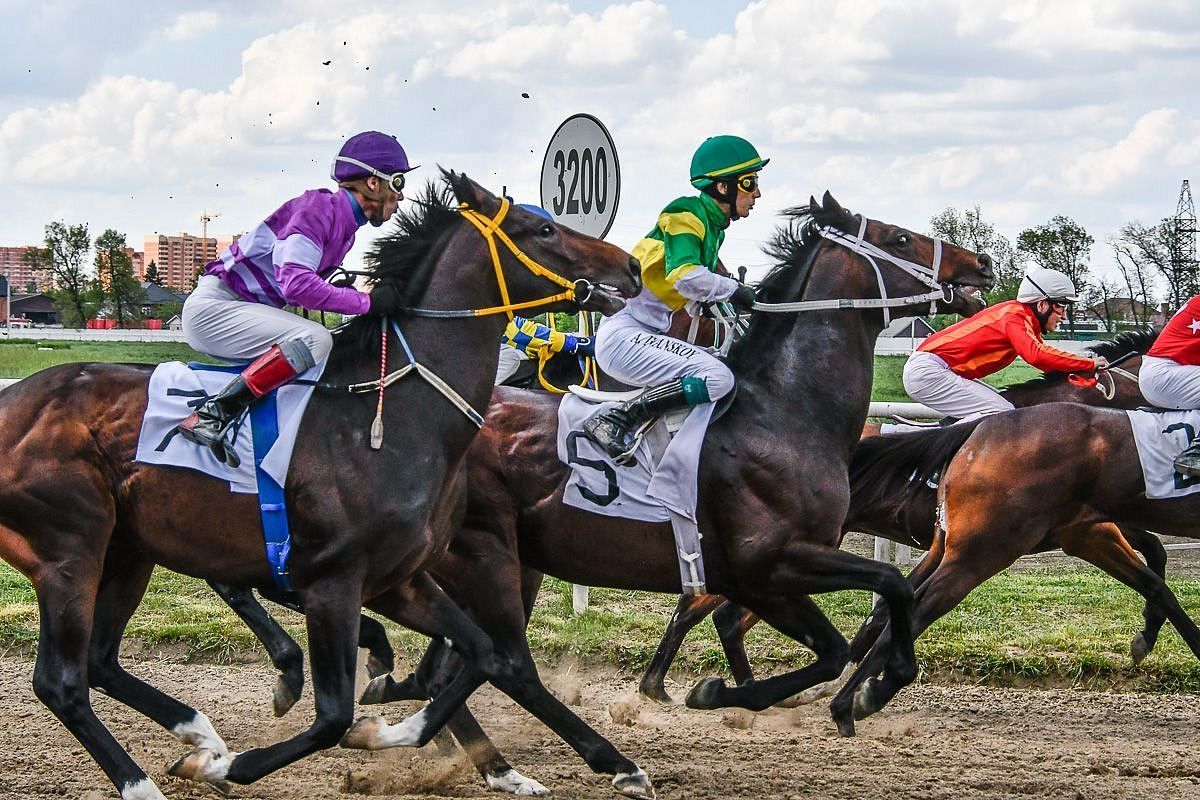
(1060,305)
(748,183)
(395,181)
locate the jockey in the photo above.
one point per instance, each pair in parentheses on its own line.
(943,372)
(236,311)
(678,257)
(1170,374)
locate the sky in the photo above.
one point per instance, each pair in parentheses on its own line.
(141,116)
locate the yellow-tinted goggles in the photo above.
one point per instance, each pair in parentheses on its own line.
(748,183)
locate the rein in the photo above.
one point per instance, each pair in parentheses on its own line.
(860,246)
(489,227)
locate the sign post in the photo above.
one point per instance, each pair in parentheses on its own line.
(581,177)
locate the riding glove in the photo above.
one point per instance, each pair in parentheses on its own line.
(743,298)
(385,299)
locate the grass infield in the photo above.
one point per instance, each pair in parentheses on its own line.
(1048,626)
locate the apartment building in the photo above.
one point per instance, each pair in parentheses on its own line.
(178,258)
(23,279)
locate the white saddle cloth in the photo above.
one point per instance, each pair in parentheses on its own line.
(164,411)
(1160,436)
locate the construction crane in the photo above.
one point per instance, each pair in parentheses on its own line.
(206,218)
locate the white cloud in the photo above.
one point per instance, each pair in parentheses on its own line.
(192,24)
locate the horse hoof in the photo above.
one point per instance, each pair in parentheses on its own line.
(364,733)
(512,782)
(376,691)
(634,784)
(845,726)
(706,694)
(283,698)
(203,765)
(1139,649)
(655,692)
(376,668)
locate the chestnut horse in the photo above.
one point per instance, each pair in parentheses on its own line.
(86,523)
(885,501)
(1008,487)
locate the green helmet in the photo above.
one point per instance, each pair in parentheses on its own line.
(723,156)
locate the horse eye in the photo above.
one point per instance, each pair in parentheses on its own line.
(546,231)
(902,239)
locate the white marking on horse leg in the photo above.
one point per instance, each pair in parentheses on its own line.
(814,693)
(201,733)
(203,765)
(373,733)
(513,782)
(142,790)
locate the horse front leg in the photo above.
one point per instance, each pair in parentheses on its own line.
(332,609)
(690,610)
(1155,554)
(285,654)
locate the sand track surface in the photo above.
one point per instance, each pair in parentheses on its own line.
(932,742)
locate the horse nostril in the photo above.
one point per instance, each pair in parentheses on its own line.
(635,270)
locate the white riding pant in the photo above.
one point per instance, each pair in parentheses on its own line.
(929,380)
(641,356)
(510,362)
(219,323)
(1166,383)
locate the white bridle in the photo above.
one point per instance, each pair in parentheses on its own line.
(859,245)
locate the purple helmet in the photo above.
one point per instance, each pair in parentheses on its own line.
(369,153)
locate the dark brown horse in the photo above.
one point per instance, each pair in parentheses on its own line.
(885,501)
(773,470)
(86,523)
(1058,472)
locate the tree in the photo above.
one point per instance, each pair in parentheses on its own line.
(115,280)
(1104,295)
(968,229)
(152,275)
(67,248)
(1151,247)
(1136,267)
(1060,244)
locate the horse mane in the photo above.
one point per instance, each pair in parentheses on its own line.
(792,246)
(1138,341)
(893,470)
(405,257)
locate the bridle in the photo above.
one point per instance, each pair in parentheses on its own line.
(871,252)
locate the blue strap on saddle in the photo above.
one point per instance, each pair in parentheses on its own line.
(264,423)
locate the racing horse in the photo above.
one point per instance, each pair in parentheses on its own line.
(773,469)
(1004,488)
(86,523)
(886,501)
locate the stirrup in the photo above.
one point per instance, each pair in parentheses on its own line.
(221,449)
(629,457)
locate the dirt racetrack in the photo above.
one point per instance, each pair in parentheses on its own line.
(932,742)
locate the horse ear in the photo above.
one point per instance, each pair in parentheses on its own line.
(471,193)
(813,205)
(831,206)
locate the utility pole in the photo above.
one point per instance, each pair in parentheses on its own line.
(1183,239)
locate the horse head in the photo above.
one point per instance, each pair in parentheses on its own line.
(920,263)
(600,275)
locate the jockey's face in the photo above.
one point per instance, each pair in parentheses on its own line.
(747,193)
(1050,313)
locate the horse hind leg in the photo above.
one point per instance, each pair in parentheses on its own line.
(66,598)
(121,589)
(1155,555)
(690,610)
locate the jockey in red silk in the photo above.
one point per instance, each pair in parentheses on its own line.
(236,312)
(943,372)
(678,257)
(1170,374)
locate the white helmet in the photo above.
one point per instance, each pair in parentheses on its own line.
(1046,284)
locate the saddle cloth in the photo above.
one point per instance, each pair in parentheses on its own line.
(1160,436)
(659,487)
(174,391)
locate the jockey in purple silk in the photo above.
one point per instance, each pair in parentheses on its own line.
(236,312)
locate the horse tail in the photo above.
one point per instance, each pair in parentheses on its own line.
(896,469)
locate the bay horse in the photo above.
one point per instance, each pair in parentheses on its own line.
(86,523)
(773,473)
(1004,491)
(886,501)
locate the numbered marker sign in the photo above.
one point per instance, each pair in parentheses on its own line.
(581,179)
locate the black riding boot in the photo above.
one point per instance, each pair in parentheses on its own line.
(614,429)
(211,422)
(1188,462)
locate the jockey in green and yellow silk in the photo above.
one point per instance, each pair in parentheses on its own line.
(679,259)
